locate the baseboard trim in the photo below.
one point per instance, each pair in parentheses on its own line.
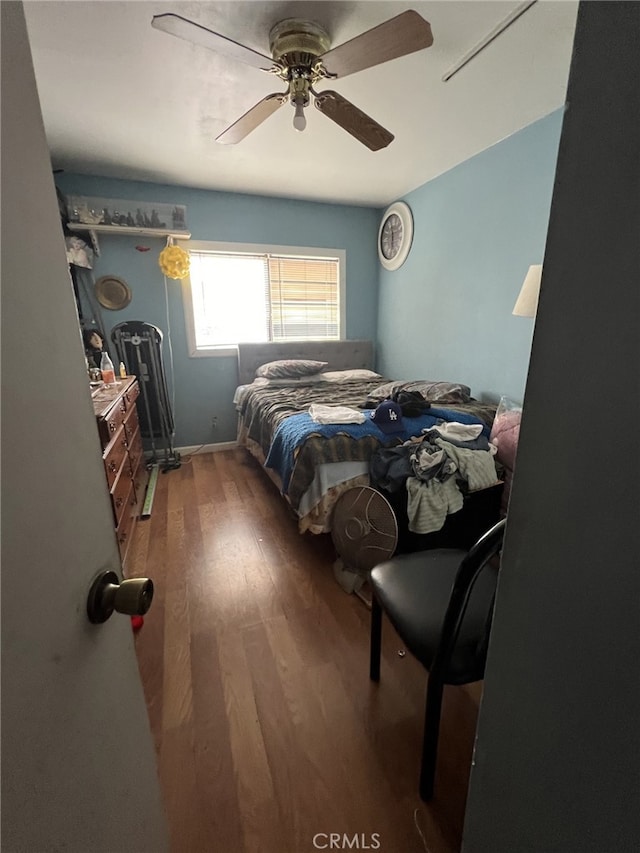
(195,449)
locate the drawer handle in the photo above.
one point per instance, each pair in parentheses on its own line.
(123,441)
(119,503)
(113,467)
(122,538)
(113,426)
(132,502)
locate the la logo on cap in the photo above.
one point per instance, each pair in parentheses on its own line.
(388,417)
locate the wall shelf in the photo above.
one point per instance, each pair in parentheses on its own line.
(131,230)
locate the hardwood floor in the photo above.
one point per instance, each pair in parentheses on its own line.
(255,670)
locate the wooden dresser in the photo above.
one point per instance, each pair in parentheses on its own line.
(117,418)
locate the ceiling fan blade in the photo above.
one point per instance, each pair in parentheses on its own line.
(353,120)
(181,27)
(251,119)
(397,37)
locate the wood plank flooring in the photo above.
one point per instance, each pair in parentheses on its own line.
(255,670)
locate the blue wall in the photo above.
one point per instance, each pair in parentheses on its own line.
(446,313)
(204,386)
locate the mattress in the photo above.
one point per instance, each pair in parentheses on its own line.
(313,464)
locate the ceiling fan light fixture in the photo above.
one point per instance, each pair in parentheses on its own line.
(299,119)
(300,57)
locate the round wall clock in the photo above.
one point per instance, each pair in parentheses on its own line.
(395,235)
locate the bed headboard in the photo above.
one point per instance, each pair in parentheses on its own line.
(339,354)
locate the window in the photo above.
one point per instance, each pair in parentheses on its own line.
(253,293)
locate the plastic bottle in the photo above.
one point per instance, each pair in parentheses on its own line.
(122,370)
(106,368)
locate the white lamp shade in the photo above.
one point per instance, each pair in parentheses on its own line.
(527,301)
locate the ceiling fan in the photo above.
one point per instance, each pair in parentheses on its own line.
(300,57)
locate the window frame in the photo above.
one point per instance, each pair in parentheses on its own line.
(227,350)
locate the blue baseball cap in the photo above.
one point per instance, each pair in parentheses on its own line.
(388,417)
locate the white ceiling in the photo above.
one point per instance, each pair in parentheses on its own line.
(122,99)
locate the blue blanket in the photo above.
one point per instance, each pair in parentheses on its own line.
(294,430)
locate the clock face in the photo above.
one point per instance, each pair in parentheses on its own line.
(391,237)
(395,235)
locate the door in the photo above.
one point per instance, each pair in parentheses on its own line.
(78,765)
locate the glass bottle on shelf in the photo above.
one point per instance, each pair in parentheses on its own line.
(106,368)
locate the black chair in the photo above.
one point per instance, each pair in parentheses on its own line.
(440,602)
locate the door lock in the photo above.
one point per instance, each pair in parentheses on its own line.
(107,594)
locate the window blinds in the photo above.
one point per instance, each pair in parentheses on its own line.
(303,298)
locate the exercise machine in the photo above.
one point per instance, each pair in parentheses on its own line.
(139,347)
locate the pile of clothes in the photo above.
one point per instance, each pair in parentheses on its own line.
(437,469)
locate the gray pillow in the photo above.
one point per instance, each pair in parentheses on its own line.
(433,391)
(290,368)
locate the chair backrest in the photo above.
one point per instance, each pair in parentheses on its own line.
(469,570)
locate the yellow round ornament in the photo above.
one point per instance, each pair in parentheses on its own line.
(174,262)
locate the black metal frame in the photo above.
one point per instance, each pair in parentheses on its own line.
(468,572)
(139,347)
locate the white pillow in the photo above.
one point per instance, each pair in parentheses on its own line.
(349,375)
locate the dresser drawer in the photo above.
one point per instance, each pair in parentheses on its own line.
(114,458)
(131,395)
(117,419)
(110,425)
(120,493)
(131,424)
(124,530)
(135,451)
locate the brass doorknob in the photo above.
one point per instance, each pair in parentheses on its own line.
(108,593)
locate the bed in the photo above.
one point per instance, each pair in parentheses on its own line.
(311,463)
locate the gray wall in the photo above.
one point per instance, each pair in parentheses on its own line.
(78,762)
(558,749)
(205,386)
